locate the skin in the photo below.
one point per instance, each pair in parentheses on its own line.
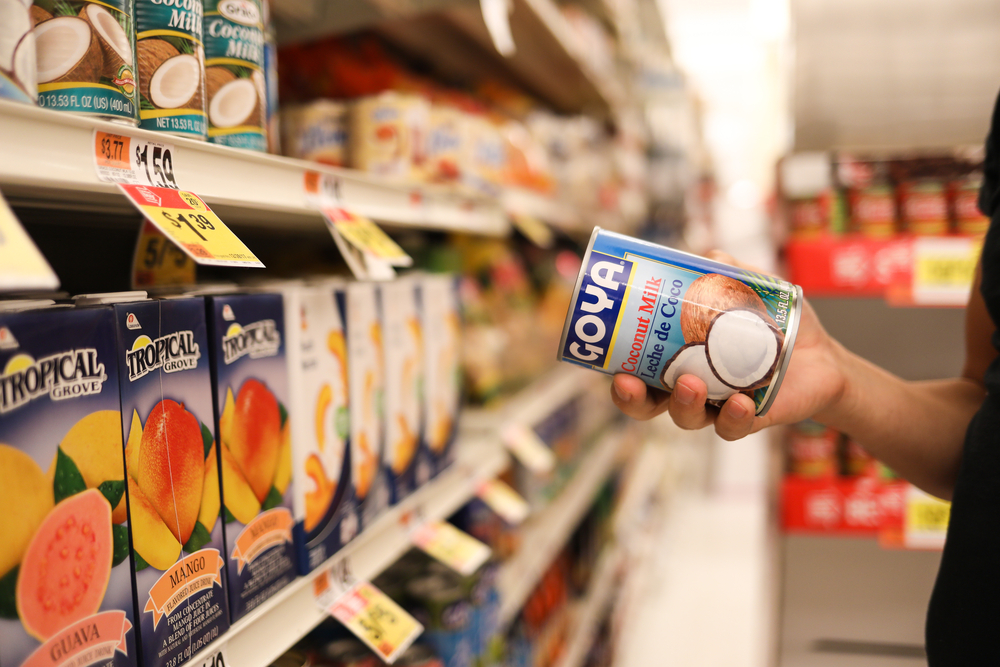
(915,428)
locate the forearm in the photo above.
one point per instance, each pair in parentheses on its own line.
(915,428)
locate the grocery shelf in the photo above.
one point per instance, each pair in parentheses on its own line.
(545,533)
(592,609)
(271,629)
(47,160)
(518,201)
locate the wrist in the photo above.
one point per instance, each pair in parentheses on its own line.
(847,369)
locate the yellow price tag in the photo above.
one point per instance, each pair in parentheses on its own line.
(22,265)
(157,261)
(375,619)
(534,229)
(188,221)
(943,269)
(529,449)
(366,236)
(926,520)
(446,543)
(504,500)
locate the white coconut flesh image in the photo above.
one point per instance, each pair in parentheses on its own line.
(692,360)
(175,82)
(233,104)
(64,44)
(25,61)
(114,42)
(742,348)
(15,22)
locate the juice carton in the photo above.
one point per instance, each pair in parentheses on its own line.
(173,481)
(442,367)
(250,375)
(360,304)
(325,517)
(65,568)
(404,361)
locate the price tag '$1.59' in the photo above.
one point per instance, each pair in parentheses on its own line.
(123,159)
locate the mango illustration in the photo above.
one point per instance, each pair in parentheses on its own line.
(338,347)
(283,475)
(318,500)
(31,500)
(442,428)
(210,501)
(240,499)
(151,538)
(323,402)
(94,443)
(226,418)
(133,444)
(255,440)
(172,466)
(405,446)
(365,467)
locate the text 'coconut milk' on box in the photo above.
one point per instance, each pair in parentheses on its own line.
(442,337)
(173,479)
(251,400)
(65,571)
(658,314)
(325,515)
(359,302)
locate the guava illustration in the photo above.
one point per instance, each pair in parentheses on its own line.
(25,484)
(95,445)
(172,466)
(67,565)
(256,436)
(318,499)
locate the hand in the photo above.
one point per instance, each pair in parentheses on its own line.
(813,383)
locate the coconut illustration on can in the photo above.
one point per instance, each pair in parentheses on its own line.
(18,72)
(659,314)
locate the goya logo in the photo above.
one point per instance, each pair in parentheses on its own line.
(260,339)
(174,352)
(240,11)
(64,375)
(598,306)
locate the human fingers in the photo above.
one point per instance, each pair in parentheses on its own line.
(687,403)
(736,417)
(635,399)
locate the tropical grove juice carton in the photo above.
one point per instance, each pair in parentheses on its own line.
(403,363)
(442,366)
(65,572)
(173,480)
(250,373)
(366,372)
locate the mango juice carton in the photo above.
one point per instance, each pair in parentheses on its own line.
(403,356)
(250,375)
(359,302)
(173,480)
(442,367)
(65,568)
(323,502)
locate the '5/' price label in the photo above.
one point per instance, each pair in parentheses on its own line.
(123,159)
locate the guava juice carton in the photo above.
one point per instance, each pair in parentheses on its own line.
(250,375)
(442,367)
(65,568)
(359,301)
(173,479)
(403,362)
(325,517)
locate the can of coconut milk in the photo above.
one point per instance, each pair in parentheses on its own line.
(234,73)
(171,58)
(86,58)
(658,314)
(18,76)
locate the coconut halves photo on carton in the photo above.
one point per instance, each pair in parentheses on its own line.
(65,569)
(659,313)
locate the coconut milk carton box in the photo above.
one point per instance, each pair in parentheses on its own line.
(323,501)
(442,367)
(250,374)
(403,356)
(173,481)
(359,302)
(65,569)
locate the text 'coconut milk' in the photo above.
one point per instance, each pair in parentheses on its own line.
(658,314)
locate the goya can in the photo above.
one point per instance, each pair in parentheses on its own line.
(18,74)
(86,58)
(658,314)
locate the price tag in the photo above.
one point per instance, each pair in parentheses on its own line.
(22,265)
(188,221)
(504,500)
(217,657)
(529,449)
(944,269)
(534,229)
(496,16)
(459,551)
(372,616)
(123,159)
(158,261)
(926,520)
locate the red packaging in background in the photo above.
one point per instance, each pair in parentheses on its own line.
(812,450)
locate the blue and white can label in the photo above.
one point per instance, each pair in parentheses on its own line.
(658,313)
